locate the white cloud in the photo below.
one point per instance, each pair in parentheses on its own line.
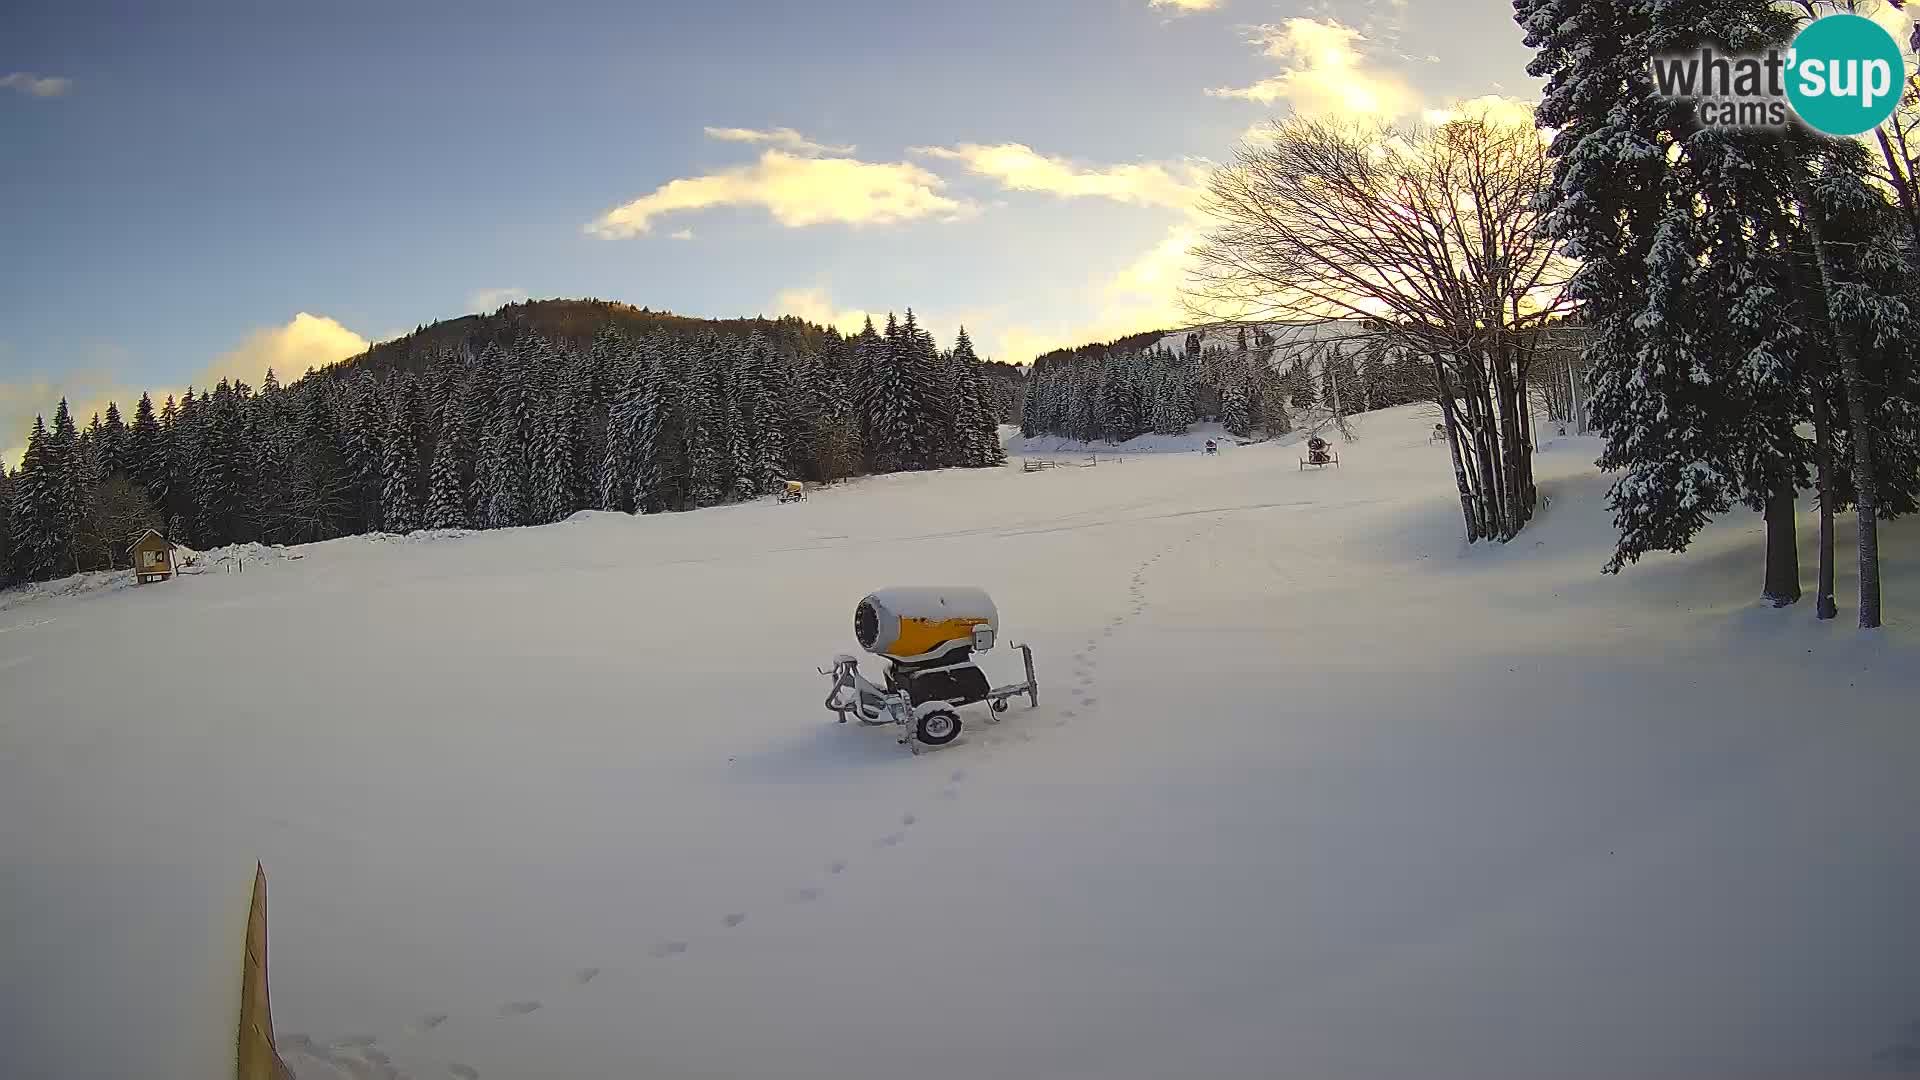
(1181,7)
(682,234)
(785,138)
(798,192)
(306,341)
(486,301)
(1493,108)
(815,304)
(1020,168)
(40,86)
(1144,294)
(1324,72)
(1149,286)
(23,398)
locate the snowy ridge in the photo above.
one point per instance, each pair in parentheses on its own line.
(225,559)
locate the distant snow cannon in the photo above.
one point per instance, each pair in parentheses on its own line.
(927,636)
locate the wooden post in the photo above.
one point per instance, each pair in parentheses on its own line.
(258,1058)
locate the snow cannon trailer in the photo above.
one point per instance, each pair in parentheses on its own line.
(926,636)
(1319,455)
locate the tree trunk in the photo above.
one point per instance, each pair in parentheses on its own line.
(1528,488)
(1823,604)
(1783,549)
(1486,487)
(1866,505)
(1526,494)
(1492,466)
(1511,449)
(1866,522)
(1453,445)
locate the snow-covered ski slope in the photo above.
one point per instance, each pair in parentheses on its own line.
(1194,440)
(1312,791)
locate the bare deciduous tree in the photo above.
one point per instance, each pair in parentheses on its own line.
(1432,235)
(117,513)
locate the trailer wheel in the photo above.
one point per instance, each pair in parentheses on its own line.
(938,727)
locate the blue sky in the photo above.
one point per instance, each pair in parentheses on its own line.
(181,187)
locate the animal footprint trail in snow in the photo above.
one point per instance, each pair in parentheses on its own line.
(1085,662)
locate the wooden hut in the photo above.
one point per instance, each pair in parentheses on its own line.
(152,557)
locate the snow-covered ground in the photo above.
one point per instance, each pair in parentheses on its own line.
(1193,441)
(1312,791)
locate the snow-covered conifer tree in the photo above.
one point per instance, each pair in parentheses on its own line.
(41,538)
(704,424)
(552,472)
(400,463)
(447,488)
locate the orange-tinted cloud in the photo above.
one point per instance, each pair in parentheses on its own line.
(798,192)
(1324,72)
(1018,167)
(305,341)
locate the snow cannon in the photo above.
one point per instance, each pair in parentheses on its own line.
(917,624)
(926,636)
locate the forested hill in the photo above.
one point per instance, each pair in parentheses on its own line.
(1254,381)
(572,325)
(520,417)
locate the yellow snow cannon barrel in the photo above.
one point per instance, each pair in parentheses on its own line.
(919,623)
